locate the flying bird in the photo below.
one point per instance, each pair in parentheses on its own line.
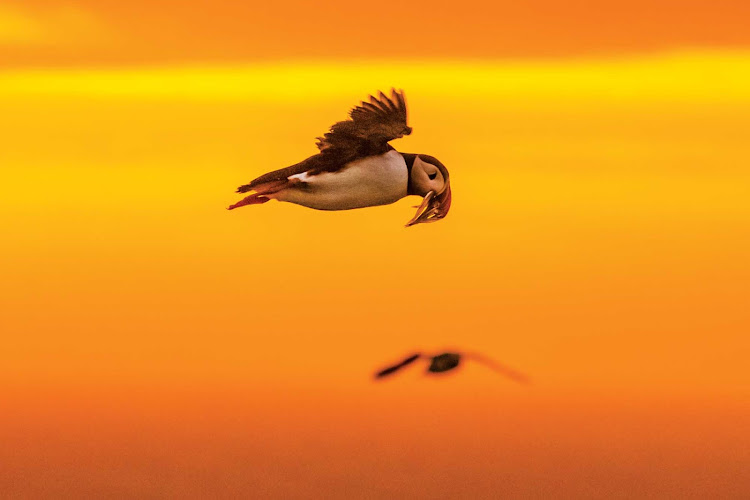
(450,360)
(356,167)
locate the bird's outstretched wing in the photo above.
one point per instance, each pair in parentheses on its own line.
(371,125)
(499,368)
(391,369)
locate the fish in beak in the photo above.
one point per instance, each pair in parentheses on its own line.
(433,208)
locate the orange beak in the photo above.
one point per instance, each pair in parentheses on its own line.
(433,208)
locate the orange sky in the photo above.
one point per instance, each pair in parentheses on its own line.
(155,345)
(44,33)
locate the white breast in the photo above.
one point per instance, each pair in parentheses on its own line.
(375,180)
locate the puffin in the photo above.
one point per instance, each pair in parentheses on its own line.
(448,361)
(356,167)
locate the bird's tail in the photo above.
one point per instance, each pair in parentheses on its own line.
(266,187)
(253,199)
(262,191)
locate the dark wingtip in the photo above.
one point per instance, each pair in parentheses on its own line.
(391,369)
(387,371)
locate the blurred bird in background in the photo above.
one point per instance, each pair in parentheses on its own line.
(448,361)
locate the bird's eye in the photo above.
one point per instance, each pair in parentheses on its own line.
(432,176)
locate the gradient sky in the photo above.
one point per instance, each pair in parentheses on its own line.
(111,32)
(156,345)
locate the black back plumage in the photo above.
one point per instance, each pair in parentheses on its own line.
(372,124)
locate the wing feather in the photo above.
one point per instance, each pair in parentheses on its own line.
(371,125)
(328,160)
(391,369)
